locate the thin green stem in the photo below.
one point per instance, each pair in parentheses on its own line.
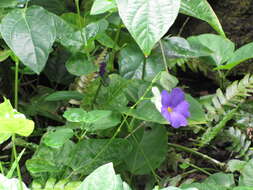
(214,161)
(16,158)
(198,168)
(1,168)
(164,57)
(116,39)
(82,31)
(16,85)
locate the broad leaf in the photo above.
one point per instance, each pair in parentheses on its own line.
(92,153)
(79,65)
(150,149)
(10,184)
(30,34)
(242,54)
(103,177)
(102,6)
(202,10)
(148,20)
(246,178)
(132,63)
(221,47)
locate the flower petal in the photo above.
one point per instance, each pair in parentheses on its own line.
(165,113)
(177,120)
(166,98)
(177,96)
(183,108)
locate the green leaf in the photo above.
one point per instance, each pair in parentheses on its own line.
(222,47)
(203,186)
(4,54)
(177,47)
(55,6)
(13,122)
(103,177)
(92,153)
(236,165)
(102,6)
(58,137)
(64,95)
(73,19)
(8,3)
(148,20)
(132,63)
(149,150)
(246,178)
(242,54)
(242,188)
(225,180)
(10,184)
(79,65)
(29,36)
(202,10)
(75,114)
(168,81)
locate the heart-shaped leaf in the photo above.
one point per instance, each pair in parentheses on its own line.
(148,20)
(30,33)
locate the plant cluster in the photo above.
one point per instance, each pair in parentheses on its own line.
(93,97)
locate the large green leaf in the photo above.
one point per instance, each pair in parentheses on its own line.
(13,122)
(221,47)
(132,63)
(92,153)
(246,178)
(242,54)
(104,178)
(150,149)
(102,6)
(202,10)
(30,34)
(148,20)
(10,184)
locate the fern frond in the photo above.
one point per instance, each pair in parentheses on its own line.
(240,144)
(235,94)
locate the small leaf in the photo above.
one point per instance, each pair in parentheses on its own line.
(13,122)
(79,65)
(102,6)
(64,95)
(148,20)
(168,81)
(75,114)
(29,36)
(201,9)
(57,138)
(4,54)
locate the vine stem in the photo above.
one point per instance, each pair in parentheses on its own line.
(164,57)
(14,151)
(214,161)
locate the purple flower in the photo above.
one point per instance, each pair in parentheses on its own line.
(175,108)
(102,69)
